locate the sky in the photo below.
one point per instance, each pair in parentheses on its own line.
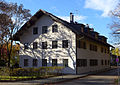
(96,13)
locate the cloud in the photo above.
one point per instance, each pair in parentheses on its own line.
(103,5)
(76,18)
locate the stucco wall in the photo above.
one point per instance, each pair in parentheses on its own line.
(88,54)
(59,53)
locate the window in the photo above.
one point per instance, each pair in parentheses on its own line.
(25,62)
(54,44)
(44,45)
(108,62)
(44,62)
(44,29)
(101,49)
(93,62)
(93,47)
(102,62)
(105,62)
(82,44)
(54,62)
(35,45)
(81,62)
(105,50)
(35,62)
(35,30)
(26,46)
(65,43)
(55,28)
(65,62)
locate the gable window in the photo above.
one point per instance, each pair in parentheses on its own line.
(65,43)
(44,62)
(35,62)
(26,46)
(44,29)
(54,28)
(54,62)
(65,62)
(35,30)
(54,44)
(35,45)
(44,45)
(25,62)
(81,62)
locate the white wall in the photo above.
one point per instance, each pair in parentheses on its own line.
(60,53)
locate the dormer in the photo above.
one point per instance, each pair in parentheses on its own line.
(103,39)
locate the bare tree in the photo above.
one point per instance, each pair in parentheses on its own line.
(15,16)
(115,25)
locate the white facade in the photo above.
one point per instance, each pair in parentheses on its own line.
(58,53)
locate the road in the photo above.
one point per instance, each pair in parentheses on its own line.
(105,78)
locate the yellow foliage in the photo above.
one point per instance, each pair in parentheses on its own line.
(116,51)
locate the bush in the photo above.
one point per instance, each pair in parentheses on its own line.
(2,63)
(36,71)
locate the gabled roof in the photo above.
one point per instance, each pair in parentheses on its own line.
(75,27)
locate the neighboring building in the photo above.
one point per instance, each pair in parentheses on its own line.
(47,40)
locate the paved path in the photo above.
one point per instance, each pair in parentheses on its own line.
(105,78)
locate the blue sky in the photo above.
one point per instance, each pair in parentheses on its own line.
(92,12)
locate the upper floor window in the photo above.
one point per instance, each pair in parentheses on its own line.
(35,45)
(65,43)
(54,62)
(26,46)
(44,29)
(35,30)
(101,49)
(65,62)
(35,62)
(54,28)
(54,44)
(93,47)
(44,45)
(82,44)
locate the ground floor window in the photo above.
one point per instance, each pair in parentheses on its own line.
(102,62)
(105,62)
(65,62)
(35,62)
(54,62)
(44,62)
(81,62)
(25,62)
(93,62)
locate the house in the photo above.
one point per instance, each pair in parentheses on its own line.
(47,40)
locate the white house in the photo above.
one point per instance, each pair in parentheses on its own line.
(47,40)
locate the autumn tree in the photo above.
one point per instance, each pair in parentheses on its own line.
(15,16)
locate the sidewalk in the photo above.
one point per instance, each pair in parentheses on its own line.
(45,81)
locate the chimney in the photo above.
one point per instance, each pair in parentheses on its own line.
(71,18)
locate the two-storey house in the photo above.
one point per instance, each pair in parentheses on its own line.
(47,40)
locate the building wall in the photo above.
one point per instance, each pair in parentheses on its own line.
(59,53)
(89,54)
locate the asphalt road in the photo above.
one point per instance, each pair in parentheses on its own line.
(105,78)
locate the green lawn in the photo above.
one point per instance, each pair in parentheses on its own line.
(22,77)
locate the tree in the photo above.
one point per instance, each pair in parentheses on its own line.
(115,25)
(15,16)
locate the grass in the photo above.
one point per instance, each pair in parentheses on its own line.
(7,78)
